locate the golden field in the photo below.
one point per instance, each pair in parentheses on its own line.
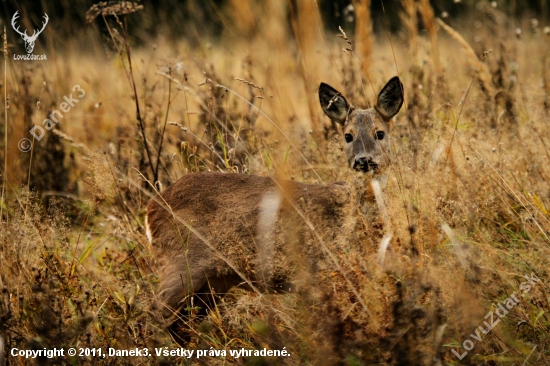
(465,205)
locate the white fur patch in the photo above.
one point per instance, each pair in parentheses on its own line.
(267,220)
(148,231)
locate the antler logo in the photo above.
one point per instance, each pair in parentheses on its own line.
(29,40)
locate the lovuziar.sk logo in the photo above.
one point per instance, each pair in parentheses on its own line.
(29,40)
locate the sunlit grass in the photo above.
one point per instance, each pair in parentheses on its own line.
(467,196)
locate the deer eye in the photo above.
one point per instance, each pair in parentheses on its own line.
(348,137)
(380,135)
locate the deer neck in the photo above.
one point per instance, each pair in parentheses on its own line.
(360,190)
(366,214)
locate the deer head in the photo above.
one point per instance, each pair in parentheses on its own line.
(365,130)
(29,40)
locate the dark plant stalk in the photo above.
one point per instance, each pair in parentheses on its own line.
(136,99)
(5,177)
(156,170)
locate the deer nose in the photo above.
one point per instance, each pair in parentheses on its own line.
(364,164)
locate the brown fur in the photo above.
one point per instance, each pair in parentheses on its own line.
(228,219)
(250,226)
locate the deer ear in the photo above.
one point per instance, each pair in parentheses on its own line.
(334,104)
(390,98)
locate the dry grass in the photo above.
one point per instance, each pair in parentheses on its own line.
(467,197)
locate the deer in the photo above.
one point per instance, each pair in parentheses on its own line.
(214,231)
(29,40)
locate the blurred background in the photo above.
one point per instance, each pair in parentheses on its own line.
(202,34)
(178,19)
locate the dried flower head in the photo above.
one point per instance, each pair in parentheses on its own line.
(106,8)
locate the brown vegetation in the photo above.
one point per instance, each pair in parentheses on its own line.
(466,202)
